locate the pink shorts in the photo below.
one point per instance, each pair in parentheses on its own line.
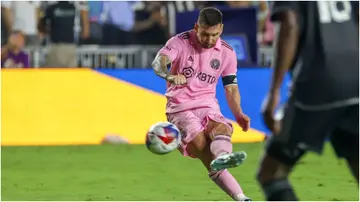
(192,122)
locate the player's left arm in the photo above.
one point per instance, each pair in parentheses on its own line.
(232,92)
(45,16)
(84,16)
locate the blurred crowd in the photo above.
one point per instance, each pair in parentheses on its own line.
(109,23)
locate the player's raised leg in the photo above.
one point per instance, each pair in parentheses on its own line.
(221,147)
(199,147)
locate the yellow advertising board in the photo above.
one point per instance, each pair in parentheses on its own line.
(79,106)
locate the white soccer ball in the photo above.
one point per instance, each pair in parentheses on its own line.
(163,138)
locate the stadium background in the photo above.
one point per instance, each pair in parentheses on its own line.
(129,84)
(113,91)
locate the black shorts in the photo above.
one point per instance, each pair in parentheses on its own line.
(308,130)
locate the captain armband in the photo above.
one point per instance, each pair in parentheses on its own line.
(229,80)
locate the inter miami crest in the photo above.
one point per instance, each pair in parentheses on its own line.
(215,64)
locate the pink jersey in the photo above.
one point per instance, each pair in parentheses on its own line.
(202,69)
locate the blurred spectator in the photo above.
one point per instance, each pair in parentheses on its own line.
(171,8)
(119,20)
(265,27)
(263,9)
(23,16)
(59,22)
(150,24)
(268,34)
(12,55)
(95,11)
(4,31)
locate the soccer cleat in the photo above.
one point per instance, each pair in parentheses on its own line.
(230,160)
(246,199)
(241,197)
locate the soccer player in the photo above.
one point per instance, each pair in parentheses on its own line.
(319,39)
(198,58)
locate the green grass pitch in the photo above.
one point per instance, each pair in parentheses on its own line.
(130,172)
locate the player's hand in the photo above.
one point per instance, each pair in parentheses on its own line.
(244,122)
(268,111)
(176,79)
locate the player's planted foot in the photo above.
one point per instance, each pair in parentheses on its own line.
(230,160)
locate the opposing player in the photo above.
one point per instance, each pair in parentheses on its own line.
(198,58)
(320,40)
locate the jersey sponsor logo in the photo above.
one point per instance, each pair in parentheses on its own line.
(215,64)
(205,77)
(188,72)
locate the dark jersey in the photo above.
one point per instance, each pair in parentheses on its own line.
(61,17)
(326,68)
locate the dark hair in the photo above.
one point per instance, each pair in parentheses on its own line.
(210,16)
(17,32)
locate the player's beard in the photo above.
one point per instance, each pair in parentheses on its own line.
(206,45)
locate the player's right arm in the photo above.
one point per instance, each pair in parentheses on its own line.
(286,14)
(160,65)
(166,56)
(7,15)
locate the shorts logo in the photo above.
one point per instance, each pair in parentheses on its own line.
(188,72)
(215,64)
(183,134)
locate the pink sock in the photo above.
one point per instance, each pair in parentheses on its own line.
(227,183)
(221,144)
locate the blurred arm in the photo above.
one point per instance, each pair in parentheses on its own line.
(7,15)
(42,23)
(141,25)
(4,52)
(141,9)
(263,13)
(286,46)
(84,13)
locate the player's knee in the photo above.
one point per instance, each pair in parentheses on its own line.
(219,129)
(197,145)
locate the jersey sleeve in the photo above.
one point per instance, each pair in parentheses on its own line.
(230,64)
(172,48)
(279,7)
